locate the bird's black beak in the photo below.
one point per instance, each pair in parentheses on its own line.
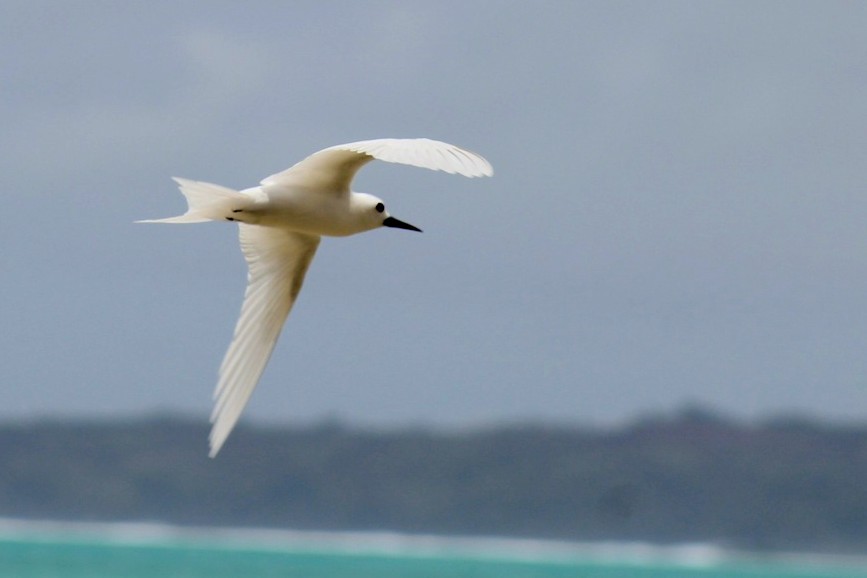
(397,224)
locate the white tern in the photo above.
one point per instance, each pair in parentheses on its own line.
(280,224)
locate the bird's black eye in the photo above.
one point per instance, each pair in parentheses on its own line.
(380,207)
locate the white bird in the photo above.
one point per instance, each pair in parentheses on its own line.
(280,224)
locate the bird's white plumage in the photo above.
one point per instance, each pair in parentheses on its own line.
(332,169)
(281,223)
(277,261)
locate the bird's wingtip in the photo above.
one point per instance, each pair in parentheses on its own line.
(214,445)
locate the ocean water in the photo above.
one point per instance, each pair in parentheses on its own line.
(44,550)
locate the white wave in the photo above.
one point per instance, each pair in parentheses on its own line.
(691,555)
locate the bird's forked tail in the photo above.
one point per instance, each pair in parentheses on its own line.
(207,202)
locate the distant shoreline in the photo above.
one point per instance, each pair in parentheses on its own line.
(786,486)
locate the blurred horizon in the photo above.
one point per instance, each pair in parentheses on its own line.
(781,486)
(686,413)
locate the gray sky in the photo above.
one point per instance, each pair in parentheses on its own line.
(678,213)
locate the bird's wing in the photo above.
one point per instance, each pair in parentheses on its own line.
(277,261)
(332,169)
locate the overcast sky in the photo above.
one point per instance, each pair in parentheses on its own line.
(678,214)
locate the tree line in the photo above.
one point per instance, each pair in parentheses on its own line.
(779,484)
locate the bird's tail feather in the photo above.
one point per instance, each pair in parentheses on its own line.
(207,202)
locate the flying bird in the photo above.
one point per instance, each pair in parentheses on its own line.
(280,224)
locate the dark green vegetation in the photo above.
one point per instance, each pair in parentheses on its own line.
(783,484)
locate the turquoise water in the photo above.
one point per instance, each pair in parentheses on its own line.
(52,554)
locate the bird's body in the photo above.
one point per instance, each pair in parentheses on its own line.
(281,222)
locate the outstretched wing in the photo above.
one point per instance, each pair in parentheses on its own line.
(277,261)
(331,170)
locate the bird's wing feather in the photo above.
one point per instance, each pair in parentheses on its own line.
(332,169)
(277,261)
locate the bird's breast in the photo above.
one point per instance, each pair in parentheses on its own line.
(311,214)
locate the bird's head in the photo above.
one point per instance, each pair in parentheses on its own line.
(373,210)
